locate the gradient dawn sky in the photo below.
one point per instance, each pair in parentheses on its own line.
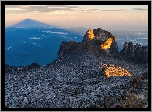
(126,17)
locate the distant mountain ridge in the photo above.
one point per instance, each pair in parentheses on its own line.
(30,23)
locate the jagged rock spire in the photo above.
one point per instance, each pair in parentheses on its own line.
(135,53)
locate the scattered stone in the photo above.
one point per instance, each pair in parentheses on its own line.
(76,79)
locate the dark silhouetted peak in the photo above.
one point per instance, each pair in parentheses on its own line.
(30,23)
(135,53)
(33,65)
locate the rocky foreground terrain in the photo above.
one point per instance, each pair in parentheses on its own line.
(76,78)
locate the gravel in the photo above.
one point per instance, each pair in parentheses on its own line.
(64,85)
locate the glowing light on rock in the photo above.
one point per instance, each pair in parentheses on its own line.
(112,70)
(91,34)
(107,44)
(107,73)
(115,38)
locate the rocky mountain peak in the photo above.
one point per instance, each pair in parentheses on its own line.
(101,43)
(96,41)
(102,40)
(98,36)
(135,53)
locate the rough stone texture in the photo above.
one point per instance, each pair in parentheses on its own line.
(101,36)
(75,80)
(91,47)
(135,53)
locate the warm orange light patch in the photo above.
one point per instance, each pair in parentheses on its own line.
(115,38)
(91,34)
(107,72)
(112,70)
(107,44)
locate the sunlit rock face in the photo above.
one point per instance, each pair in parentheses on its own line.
(90,34)
(97,42)
(114,70)
(107,44)
(101,40)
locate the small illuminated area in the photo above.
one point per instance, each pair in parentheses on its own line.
(107,44)
(112,70)
(115,38)
(91,34)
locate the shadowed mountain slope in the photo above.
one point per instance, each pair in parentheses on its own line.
(28,23)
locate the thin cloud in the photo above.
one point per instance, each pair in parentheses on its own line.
(60,9)
(39,8)
(36,5)
(114,10)
(124,17)
(11,6)
(24,6)
(72,6)
(142,17)
(82,9)
(57,7)
(67,6)
(94,9)
(61,6)
(35,11)
(99,16)
(14,9)
(87,12)
(73,17)
(138,9)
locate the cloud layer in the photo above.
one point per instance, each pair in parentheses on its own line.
(115,10)
(52,8)
(138,9)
